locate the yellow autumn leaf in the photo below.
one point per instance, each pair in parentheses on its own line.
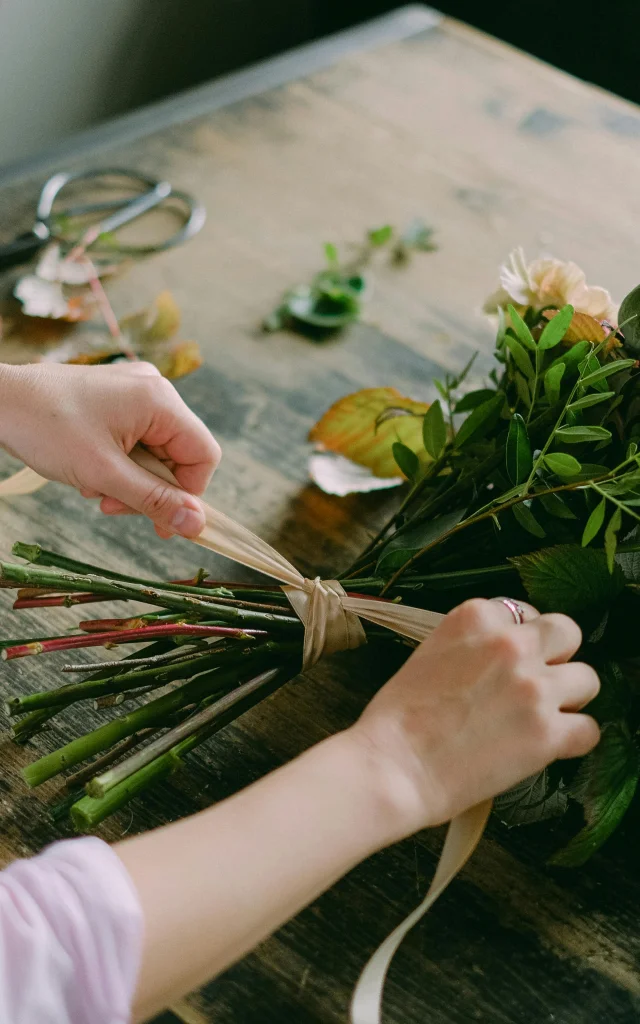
(362,427)
(151,334)
(180,359)
(160,322)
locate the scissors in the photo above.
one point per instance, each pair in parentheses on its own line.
(75,224)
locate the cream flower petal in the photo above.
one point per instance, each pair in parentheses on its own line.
(556,283)
(515,278)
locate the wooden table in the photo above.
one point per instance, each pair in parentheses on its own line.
(410,116)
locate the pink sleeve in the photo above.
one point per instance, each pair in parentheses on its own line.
(70,937)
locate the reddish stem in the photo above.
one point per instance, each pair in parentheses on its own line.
(127,636)
(56,601)
(100,625)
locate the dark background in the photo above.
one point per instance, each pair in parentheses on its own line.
(596,41)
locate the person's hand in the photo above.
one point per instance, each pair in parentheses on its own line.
(77,424)
(481,705)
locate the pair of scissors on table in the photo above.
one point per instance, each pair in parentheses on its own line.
(90,194)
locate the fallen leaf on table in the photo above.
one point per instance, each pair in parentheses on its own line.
(334,474)
(181,358)
(151,334)
(357,428)
(41,298)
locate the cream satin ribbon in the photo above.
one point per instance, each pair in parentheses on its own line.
(332,623)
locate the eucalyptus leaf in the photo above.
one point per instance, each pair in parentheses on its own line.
(562,464)
(577,435)
(521,329)
(525,517)
(518,451)
(606,371)
(573,356)
(473,399)
(434,430)
(605,785)
(594,523)
(550,578)
(588,400)
(556,329)
(611,538)
(520,357)
(406,459)
(406,543)
(482,419)
(552,380)
(522,388)
(556,506)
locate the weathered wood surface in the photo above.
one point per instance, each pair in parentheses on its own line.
(495,150)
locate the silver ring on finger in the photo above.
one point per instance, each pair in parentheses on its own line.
(516,609)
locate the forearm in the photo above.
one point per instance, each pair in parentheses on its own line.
(215,885)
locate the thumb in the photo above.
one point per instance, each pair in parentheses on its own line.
(169,507)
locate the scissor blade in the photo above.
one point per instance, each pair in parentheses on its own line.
(135,208)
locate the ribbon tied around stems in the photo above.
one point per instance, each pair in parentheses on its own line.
(332,623)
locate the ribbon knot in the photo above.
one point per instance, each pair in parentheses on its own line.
(329,627)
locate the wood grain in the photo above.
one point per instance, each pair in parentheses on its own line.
(495,150)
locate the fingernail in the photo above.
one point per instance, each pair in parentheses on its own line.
(187,522)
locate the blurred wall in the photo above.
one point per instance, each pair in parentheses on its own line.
(68,64)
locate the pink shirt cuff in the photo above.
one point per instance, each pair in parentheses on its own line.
(71,932)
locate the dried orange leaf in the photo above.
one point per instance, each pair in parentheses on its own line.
(179,360)
(158,323)
(349,428)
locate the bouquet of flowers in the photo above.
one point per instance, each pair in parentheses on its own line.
(528,485)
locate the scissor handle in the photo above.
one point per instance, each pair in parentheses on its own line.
(21,250)
(153,192)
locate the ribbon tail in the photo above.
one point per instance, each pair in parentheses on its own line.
(416,623)
(25,481)
(463,836)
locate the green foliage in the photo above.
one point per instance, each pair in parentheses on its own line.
(407,460)
(570,579)
(562,464)
(552,381)
(527,520)
(594,523)
(611,538)
(406,543)
(473,399)
(518,453)
(556,329)
(481,420)
(629,320)
(334,297)
(520,356)
(380,236)
(605,785)
(535,799)
(434,430)
(522,331)
(577,435)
